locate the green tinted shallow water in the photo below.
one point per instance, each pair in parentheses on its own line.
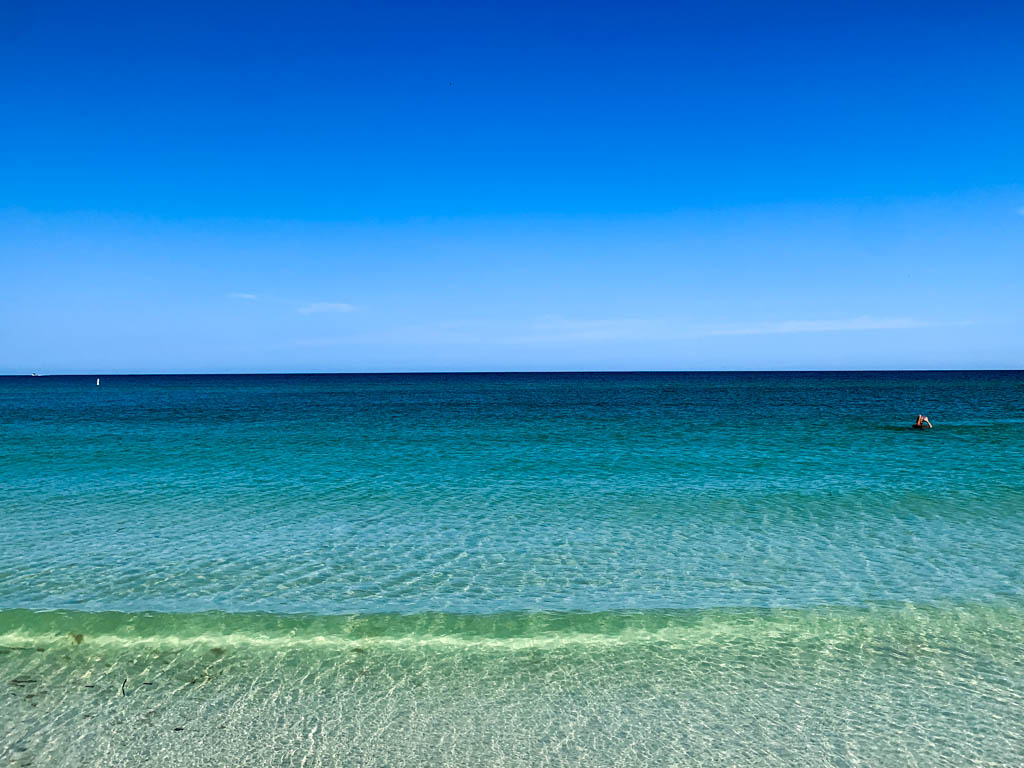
(512,570)
(881,685)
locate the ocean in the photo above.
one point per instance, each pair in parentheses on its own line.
(650,569)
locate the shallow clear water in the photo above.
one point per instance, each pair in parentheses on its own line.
(649,569)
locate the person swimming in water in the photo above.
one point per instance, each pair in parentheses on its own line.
(922,422)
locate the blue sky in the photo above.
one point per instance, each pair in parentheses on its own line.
(386,186)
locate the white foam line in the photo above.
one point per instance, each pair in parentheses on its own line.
(679,636)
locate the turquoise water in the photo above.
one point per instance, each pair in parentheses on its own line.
(574,569)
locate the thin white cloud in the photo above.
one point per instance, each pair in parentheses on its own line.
(560,329)
(318,307)
(864,323)
(244,296)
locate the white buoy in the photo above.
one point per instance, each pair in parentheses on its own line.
(97,382)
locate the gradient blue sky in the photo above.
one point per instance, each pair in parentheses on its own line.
(520,186)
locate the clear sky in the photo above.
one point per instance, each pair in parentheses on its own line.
(517,186)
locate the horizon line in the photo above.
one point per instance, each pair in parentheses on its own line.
(517,372)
